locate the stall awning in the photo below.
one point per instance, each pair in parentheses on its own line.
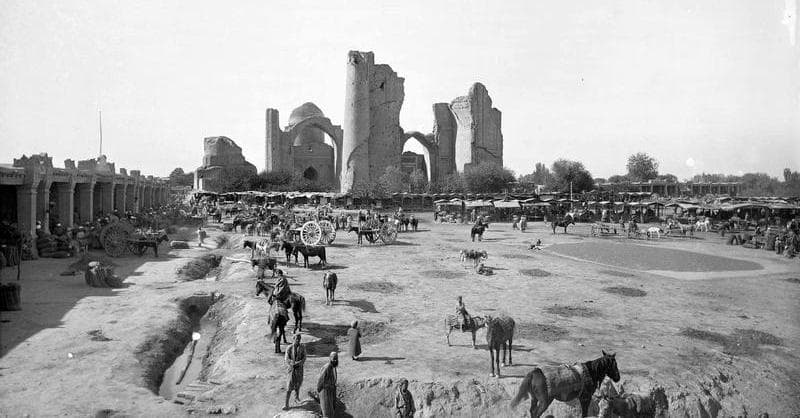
(477,203)
(506,204)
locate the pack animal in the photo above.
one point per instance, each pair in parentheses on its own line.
(654,231)
(565,383)
(329,282)
(263,264)
(277,318)
(361,234)
(295,302)
(477,231)
(311,251)
(451,323)
(476,256)
(288,249)
(143,245)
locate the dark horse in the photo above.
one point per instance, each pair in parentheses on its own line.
(361,234)
(565,383)
(311,251)
(263,264)
(563,222)
(414,223)
(477,230)
(499,336)
(277,319)
(296,302)
(140,246)
(288,249)
(329,282)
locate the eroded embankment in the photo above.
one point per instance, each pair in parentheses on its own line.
(157,353)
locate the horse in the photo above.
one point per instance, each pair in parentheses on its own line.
(311,251)
(565,383)
(329,281)
(563,222)
(288,249)
(143,244)
(414,223)
(263,264)
(654,230)
(478,230)
(295,301)
(633,405)
(474,255)
(361,234)
(703,226)
(277,318)
(499,335)
(451,323)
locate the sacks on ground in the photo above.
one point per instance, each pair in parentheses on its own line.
(101,275)
(179,245)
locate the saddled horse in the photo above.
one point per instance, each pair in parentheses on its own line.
(565,383)
(563,222)
(295,301)
(451,323)
(499,336)
(329,282)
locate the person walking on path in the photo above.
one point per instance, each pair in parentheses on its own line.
(326,386)
(295,359)
(201,235)
(403,401)
(354,345)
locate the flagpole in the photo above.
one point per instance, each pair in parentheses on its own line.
(101,133)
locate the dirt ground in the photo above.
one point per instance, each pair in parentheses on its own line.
(716,326)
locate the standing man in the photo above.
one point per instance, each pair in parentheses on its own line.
(295,359)
(326,386)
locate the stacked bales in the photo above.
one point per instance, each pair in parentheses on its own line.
(102,275)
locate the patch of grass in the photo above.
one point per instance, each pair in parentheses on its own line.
(535,272)
(625,291)
(377,287)
(444,274)
(571,311)
(541,332)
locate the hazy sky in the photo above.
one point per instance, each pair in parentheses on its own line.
(701,85)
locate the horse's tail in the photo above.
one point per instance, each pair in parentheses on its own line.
(524,389)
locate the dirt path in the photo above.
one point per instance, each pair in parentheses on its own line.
(715,333)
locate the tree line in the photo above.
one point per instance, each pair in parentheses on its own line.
(562,175)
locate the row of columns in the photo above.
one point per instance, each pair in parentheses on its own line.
(82,199)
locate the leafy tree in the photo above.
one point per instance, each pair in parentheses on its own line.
(618,178)
(393,180)
(642,167)
(669,178)
(791,184)
(567,171)
(451,183)
(487,178)
(418,180)
(178,178)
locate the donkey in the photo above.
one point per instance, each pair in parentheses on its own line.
(565,383)
(329,281)
(563,222)
(451,323)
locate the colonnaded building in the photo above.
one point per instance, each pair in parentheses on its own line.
(32,189)
(465,131)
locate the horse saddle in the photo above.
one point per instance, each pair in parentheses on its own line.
(565,382)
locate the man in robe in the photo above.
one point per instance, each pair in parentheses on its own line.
(326,386)
(295,359)
(354,337)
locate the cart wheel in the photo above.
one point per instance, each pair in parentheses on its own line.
(328,232)
(311,233)
(388,233)
(114,239)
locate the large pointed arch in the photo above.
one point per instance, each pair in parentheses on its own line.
(324,124)
(432,162)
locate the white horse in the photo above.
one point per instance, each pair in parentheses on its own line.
(703,226)
(654,230)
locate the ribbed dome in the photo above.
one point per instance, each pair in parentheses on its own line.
(305,111)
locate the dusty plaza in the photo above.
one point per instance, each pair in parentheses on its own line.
(716,326)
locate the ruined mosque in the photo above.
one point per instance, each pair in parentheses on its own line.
(466,131)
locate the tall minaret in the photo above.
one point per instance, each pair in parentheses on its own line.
(355,144)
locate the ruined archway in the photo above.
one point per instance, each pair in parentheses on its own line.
(312,127)
(310,173)
(431,152)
